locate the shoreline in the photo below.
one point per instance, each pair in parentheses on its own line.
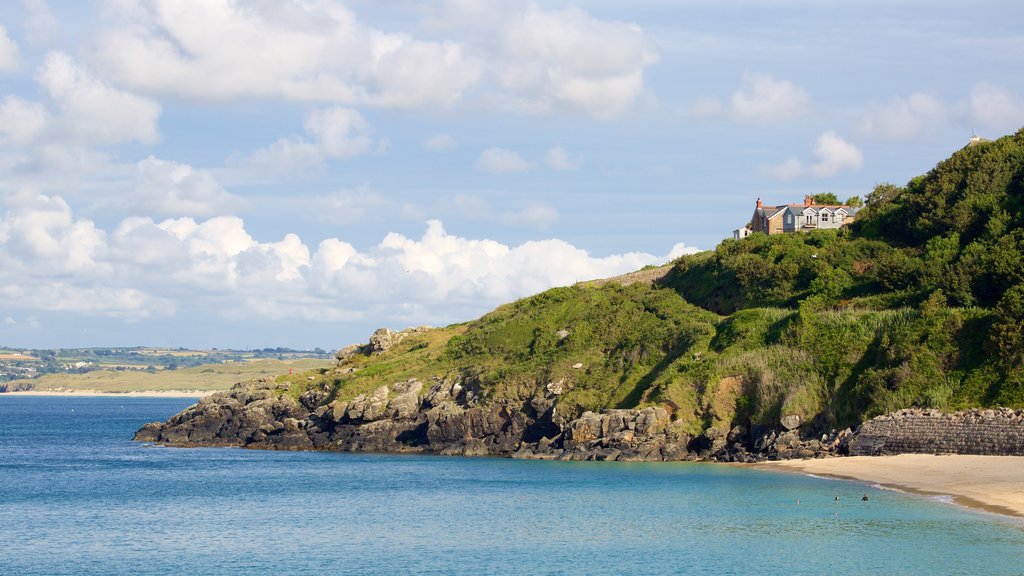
(994,484)
(98,393)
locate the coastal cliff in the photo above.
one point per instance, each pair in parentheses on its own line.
(442,417)
(774,346)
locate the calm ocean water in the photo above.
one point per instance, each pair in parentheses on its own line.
(78,497)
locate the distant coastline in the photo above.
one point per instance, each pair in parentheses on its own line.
(97,393)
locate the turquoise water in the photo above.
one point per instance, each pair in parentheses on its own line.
(78,497)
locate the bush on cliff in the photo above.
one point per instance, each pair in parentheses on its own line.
(920,303)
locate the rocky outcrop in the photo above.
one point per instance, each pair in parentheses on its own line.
(450,416)
(984,431)
(382,340)
(445,416)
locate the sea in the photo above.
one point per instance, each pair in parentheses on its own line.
(78,496)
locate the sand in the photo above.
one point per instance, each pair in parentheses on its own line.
(993,483)
(136,394)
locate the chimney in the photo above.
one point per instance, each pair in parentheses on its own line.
(808,201)
(758,202)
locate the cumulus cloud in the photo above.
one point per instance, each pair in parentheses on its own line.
(833,155)
(51,260)
(171,189)
(681,249)
(508,55)
(94,111)
(21,121)
(440,143)
(555,60)
(995,108)
(762,100)
(558,158)
(308,51)
(332,133)
(501,161)
(903,118)
(41,25)
(10,56)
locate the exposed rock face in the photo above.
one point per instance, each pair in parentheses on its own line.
(987,432)
(446,418)
(449,416)
(382,340)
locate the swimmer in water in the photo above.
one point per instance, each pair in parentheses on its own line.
(864,498)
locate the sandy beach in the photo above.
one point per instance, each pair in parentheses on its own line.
(137,394)
(993,483)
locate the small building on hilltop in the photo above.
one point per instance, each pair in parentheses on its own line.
(797,218)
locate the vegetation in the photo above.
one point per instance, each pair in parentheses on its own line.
(920,303)
(206,377)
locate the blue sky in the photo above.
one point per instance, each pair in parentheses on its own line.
(270,173)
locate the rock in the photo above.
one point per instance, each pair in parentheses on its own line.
(577,365)
(383,340)
(555,388)
(348,352)
(369,408)
(149,432)
(407,402)
(562,335)
(790,422)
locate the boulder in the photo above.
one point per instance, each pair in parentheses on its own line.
(790,422)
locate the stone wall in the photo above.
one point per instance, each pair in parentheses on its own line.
(987,432)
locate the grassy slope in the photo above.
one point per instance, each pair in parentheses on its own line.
(837,326)
(200,378)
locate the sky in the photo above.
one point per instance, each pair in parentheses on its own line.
(298,173)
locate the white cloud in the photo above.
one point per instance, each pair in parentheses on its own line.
(995,108)
(304,51)
(332,133)
(833,155)
(41,26)
(171,189)
(52,260)
(440,143)
(42,237)
(567,60)
(94,111)
(558,158)
(10,56)
(501,161)
(537,216)
(762,99)
(903,118)
(705,107)
(21,121)
(681,249)
(504,55)
(341,206)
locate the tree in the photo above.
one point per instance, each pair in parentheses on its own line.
(854,201)
(827,198)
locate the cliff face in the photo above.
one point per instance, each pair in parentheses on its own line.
(443,417)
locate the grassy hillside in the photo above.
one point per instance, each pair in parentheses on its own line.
(921,303)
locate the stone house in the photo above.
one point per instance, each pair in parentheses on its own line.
(796,218)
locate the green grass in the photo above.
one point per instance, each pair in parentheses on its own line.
(210,377)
